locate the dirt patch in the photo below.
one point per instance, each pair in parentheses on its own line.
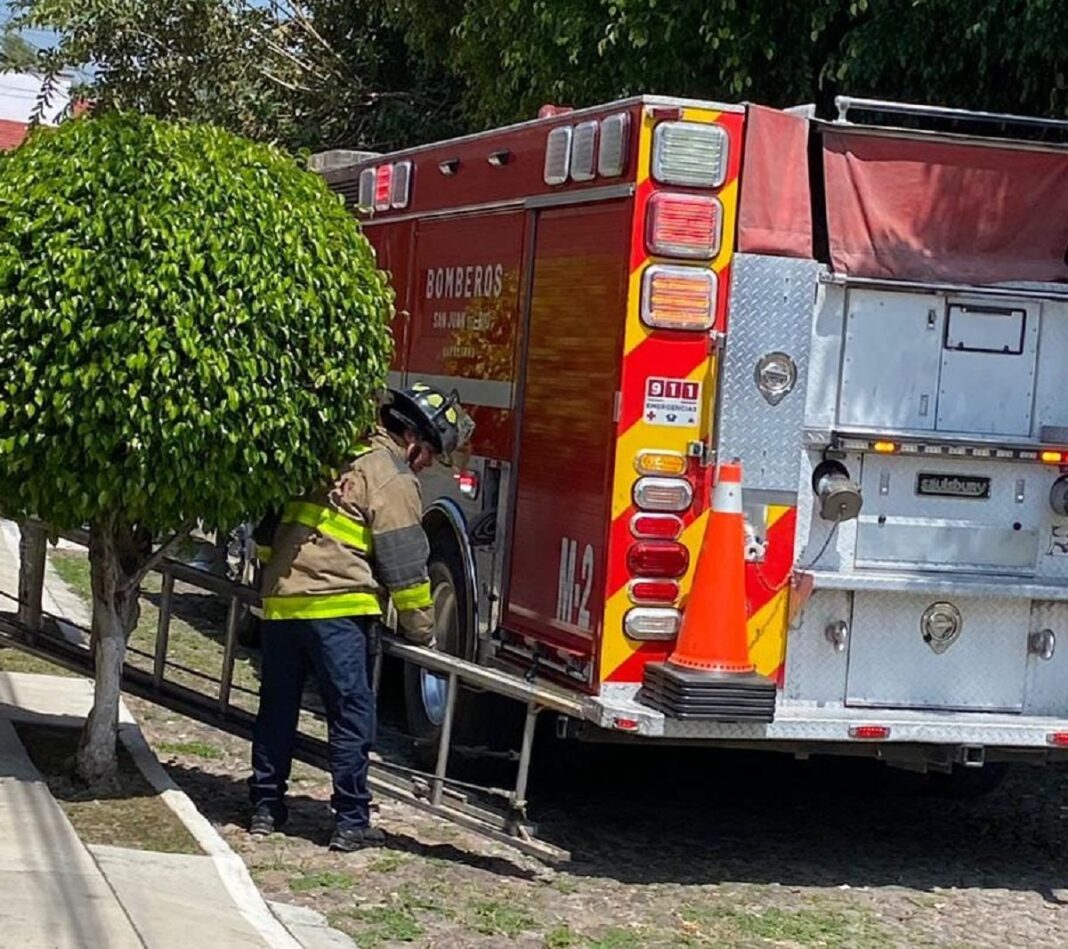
(130,814)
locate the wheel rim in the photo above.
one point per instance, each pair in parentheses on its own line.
(434,688)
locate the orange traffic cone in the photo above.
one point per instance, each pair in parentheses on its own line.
(713,635)
(709,674)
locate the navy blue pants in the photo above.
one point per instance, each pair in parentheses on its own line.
(337,650)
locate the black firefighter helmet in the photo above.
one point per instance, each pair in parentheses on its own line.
(435,417)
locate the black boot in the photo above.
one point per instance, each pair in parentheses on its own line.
(348,839)
(266,820)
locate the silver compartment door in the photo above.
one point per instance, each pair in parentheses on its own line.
(988,367)
(770,318)
(893,352)
(890,665)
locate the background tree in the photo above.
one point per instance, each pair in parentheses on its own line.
(16,55)
(513,57)
(303,73)
(191,327)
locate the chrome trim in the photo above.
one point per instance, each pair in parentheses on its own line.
(946,584)
(950,138)
(960,289)
(454,517)
(845,103)
(588,195)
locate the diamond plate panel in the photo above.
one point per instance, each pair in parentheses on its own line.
(815,671)
(771,310)
(890,665)
(1046,680)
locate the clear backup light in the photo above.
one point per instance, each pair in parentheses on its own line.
(383,187)
(558,155)
(684,225)
(690,153)
(367,188)
(652,622)
(678,298)
(663,494)
(612,147)
(584,151)
(402,184)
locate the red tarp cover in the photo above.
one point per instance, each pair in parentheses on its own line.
(774,211)
(935,210)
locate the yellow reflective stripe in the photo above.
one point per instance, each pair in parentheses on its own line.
(412,598)
(324,606)
(332,523)
(264,553)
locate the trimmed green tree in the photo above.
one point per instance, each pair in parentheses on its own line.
(191,328)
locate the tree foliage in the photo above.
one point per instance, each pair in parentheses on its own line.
(514,56)
(191,327)
(304,73)
(16,55)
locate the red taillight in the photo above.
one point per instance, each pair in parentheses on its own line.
(653,591)
(654,558)
(656,526)
(870,732)
(467,482)
(627,724)
(1057,739)
(383,187)
(683,225)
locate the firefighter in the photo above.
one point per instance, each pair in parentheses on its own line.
(336,554)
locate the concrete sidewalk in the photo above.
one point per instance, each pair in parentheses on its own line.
(60,893)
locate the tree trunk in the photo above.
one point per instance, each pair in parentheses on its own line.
(32,550)
(114,615)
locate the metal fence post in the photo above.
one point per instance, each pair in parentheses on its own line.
(32,550)
(163,628)
(437,788)
(227,676)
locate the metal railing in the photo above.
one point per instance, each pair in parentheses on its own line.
(435,792)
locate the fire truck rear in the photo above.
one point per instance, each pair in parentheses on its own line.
(872,318)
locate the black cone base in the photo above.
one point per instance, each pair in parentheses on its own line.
(710,696)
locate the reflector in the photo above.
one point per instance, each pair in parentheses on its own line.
(656,526)
(383,187)
(653,591)
(657,558)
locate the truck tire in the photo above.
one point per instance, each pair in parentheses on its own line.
(424,693)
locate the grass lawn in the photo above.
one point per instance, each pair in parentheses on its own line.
(131,814)
(196,642)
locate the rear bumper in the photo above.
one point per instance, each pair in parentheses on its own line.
(617,709)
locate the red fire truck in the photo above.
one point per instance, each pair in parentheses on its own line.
(870,312)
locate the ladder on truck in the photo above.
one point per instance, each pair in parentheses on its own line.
(432,792)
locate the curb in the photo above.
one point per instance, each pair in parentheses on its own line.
(231,868)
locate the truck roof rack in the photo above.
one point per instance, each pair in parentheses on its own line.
(935,118)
